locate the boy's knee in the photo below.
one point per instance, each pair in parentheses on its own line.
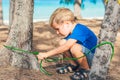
(63,41)
(75,48)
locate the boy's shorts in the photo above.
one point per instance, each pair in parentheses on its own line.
(89,55)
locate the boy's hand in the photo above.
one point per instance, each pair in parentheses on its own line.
(41,56)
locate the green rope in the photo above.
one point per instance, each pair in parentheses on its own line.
(20,50)
(57,59)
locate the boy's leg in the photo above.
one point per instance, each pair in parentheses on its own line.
(83,73)
(76,51)
(68,54)
(72,66)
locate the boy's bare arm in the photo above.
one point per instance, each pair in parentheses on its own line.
(69,43)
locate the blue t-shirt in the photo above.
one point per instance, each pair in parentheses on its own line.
(84,36)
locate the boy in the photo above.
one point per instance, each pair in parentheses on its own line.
(78,40)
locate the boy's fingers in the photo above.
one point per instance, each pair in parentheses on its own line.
(40,60)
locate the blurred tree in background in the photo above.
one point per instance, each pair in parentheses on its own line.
(78,5)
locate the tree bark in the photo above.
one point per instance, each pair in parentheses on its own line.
(11,13)
(108,32)
(77,9)
(20,36)
(105,3)
(1,13)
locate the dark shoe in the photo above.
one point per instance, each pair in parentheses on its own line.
(82,74)
(66,69)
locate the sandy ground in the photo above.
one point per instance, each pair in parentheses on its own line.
(44,39)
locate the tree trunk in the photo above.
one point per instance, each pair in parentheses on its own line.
(1,13)
(108,32)
(105,3)
(77,9)
(11,13)
(20,36)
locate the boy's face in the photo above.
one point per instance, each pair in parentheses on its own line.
(62,29)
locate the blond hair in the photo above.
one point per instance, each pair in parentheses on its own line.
(60,15)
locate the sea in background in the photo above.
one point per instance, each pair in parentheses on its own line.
(44,8)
